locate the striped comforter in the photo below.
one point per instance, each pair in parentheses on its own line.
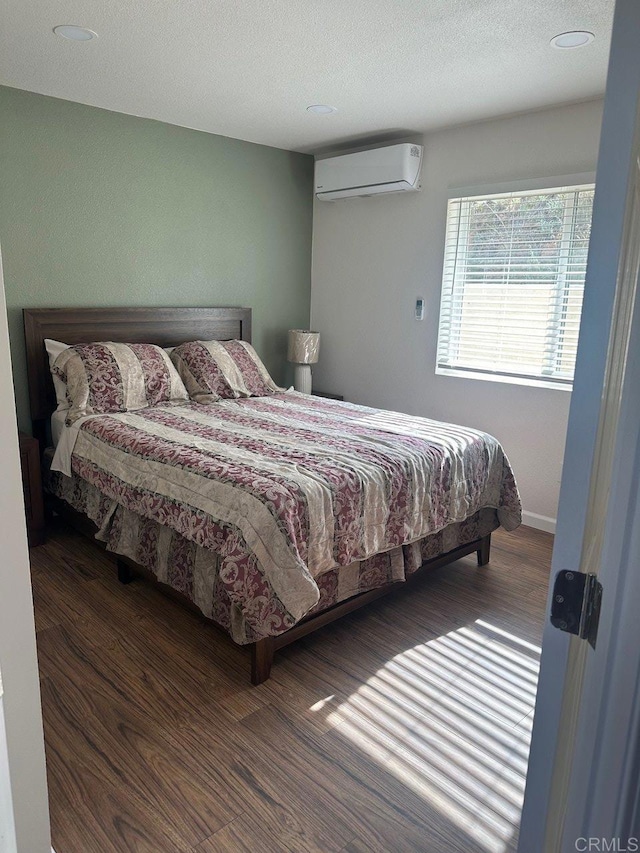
(287,487)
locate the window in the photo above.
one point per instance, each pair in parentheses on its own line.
(514,269)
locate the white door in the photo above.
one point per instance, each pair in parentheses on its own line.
(23,787)
(583,781)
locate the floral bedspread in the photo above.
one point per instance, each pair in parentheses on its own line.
(285,489)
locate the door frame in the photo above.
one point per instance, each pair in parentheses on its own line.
(23,777)
(604,782)
(574,699)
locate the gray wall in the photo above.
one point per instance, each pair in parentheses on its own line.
(373,256)
(99,208)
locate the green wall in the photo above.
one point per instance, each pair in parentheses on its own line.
(99,208)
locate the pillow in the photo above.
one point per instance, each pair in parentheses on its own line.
(54,348)
(103,378)
(222,370)
(58,423)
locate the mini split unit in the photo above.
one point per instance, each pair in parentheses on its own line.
(392,169)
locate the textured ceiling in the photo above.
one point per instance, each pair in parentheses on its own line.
(248,68)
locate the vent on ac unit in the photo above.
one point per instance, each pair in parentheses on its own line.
(392,169)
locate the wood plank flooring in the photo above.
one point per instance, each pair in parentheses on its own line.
(403,727)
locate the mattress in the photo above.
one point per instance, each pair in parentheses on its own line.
(202,574)
(283,490)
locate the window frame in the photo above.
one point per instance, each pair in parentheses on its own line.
(573,181)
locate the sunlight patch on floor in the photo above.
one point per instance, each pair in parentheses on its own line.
(451,718)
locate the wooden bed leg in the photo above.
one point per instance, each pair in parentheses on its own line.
(125,574)
(484,550)
(261,659)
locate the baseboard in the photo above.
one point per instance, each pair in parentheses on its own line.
(540,522)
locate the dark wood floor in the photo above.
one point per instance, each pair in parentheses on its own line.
(403,727)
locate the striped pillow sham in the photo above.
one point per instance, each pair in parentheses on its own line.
(222,370)
(104,378)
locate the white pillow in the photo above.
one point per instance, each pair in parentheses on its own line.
(54,348)
(58,423)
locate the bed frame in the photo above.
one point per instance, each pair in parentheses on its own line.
(170,327)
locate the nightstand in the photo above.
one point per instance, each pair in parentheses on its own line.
(327,395)
(32,487)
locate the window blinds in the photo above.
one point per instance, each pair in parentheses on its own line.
(514,270)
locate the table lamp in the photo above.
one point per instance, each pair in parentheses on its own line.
(304,347)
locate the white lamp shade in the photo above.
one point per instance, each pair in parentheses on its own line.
(304,346)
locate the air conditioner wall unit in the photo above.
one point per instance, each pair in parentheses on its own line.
(394,168)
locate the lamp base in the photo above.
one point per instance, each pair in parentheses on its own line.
(302,378)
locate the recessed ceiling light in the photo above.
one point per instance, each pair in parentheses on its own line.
(321,109)
(74,33)
(575,38)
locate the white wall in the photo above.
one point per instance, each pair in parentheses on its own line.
(18,663)
(373,256)
(7,823)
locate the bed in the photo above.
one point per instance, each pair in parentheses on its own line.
(273,515)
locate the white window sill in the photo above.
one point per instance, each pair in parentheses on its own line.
(501,377)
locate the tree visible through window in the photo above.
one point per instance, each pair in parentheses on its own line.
(514,271)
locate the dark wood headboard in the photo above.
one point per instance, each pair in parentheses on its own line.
(166,327)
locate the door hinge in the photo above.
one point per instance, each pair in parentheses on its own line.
(576,604)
